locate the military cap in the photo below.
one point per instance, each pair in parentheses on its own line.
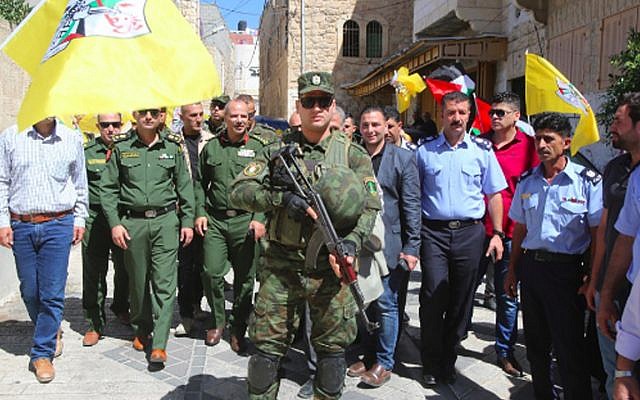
(310,81)
(222,99)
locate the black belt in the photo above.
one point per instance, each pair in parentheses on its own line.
(548,257)
(149,213)
(450,224)
(95,207)
(224,214)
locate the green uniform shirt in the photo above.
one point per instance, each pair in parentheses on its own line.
(220,163)
(95,155)
(265,131)
(252,189)
(140,178)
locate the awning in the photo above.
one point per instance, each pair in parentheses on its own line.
(427,51)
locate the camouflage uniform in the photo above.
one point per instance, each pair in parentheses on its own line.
(286,282)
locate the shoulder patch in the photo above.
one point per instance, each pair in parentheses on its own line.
(174,137)
(525,174)
(253,169)
(370,185)
(591,176)
(482,142)
(119,137)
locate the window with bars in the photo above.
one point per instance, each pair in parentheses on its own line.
(374,39)
(350,39)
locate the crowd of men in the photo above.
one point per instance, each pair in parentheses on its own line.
(176,211)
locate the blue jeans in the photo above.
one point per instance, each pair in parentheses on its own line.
(507,308)
(387,314)
(41,252)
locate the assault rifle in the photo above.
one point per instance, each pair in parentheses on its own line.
(288,157)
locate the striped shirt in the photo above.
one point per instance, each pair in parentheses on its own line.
(42,175)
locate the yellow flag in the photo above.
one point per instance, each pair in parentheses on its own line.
(101,56)
(407,86)
(547,90)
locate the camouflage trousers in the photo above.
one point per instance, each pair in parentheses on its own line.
(280,305)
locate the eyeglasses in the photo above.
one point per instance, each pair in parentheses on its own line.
(217,105)
(310,102)
(153,111)
(106,124)
(498,112)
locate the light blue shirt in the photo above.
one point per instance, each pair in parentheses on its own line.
(42,175)
(454,180)
(558,215)
(628,337)
(628,222)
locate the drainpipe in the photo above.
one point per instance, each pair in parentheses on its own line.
(303,48)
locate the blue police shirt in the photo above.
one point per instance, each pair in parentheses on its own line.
(558,215)
(628,222)
(454,180)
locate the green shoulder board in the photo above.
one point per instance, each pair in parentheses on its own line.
(119,137)
(174,137)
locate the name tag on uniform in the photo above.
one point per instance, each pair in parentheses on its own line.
(165,156)
(574,200)
(246,153)
(94,161)
(130,154)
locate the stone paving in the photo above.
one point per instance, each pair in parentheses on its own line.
(113,370)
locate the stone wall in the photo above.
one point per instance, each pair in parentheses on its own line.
(481,15)
(190,9)
(13,85)
(281,42)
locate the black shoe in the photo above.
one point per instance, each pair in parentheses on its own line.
(429,380)
(306,391)
(451,378)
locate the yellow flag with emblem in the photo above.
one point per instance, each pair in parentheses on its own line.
(547,90)
(98,56)
(407,87)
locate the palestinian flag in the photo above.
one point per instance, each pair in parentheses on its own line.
(452,78)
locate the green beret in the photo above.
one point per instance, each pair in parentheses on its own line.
(310,81)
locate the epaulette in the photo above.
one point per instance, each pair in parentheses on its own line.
(88,143)
(119,137)
(426,139)
(260,139)
(174,137)
(591,175)
(482,142)
(525,174)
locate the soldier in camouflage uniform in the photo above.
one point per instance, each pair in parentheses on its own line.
(215,123)
(289,278)
(147,197)
(97,243)
(230,234)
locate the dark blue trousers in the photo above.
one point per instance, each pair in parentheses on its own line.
(553,316)
(449,259)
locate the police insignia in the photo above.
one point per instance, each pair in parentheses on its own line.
(252,169)
(315,80)
(371,186)
(591,175)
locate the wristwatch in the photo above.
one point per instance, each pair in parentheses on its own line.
(623,374)
(500,234)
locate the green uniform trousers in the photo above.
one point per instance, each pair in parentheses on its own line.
(96,245)
(226,246)
(280,305)
(151,260)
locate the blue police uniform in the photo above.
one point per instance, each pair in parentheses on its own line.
(454,181)
(558,216)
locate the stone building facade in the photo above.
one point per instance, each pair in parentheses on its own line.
(13,83)
(300,35)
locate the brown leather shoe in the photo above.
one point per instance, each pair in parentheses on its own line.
(510,366)
(90,338)
(140,342)
(238,343)
(356,369)
(43,369)
(213,336)
(376,376)
(59,344)
(158,356)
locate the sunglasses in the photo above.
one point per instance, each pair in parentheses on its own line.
(153,111)
(106,124)
(322,102)
(498,112)
(217,105)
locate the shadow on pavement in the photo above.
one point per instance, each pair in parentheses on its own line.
(205,387)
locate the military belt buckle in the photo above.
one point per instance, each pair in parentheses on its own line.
(454,224)
(231,213)
(150,213)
